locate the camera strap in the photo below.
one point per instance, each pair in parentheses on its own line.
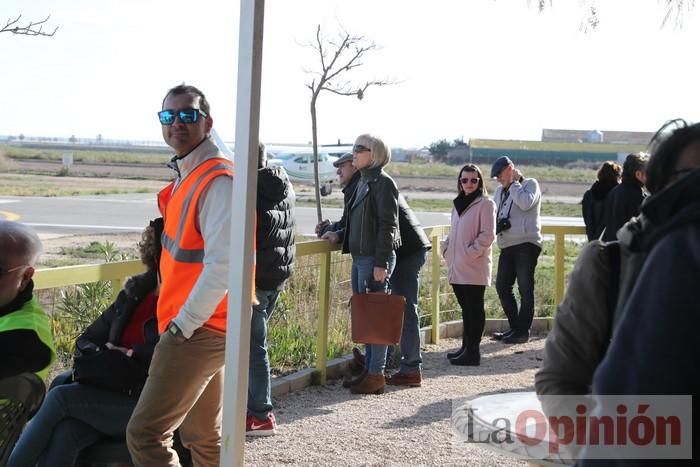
(503,202)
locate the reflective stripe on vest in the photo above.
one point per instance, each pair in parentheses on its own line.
(31,317)
(183,246)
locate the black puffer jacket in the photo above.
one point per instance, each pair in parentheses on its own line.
(373,218)
(593,208)
(413,238)
(275,248)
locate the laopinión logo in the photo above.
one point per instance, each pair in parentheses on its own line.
(565,428)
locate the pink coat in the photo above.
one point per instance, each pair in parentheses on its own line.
(467,249)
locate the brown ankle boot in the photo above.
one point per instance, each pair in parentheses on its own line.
(350,381)
(372,384)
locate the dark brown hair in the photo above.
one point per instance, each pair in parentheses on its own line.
(150,246)
(472,168)
(609,173)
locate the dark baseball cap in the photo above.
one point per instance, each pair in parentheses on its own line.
(342,159)
(500,164)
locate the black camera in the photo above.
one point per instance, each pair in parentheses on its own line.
(502,225)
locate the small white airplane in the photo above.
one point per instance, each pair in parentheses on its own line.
(299,165)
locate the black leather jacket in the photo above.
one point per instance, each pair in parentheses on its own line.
(373,217)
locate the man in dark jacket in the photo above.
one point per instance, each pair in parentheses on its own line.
(623,201)
(275,250)
(348,177)
(405,281)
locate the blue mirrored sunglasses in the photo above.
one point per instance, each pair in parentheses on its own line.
(167,116)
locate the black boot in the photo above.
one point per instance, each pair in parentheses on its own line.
(467,359)
(456,353)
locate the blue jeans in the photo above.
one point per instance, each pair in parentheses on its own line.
(518,262)
(405,281)
(362,279)
(72,417)
(259,392)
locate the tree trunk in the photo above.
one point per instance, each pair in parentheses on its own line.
(314,142)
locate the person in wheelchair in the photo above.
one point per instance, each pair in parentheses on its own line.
(111,363)
(26,344)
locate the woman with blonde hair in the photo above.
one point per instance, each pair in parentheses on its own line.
(467,251)
(371,235)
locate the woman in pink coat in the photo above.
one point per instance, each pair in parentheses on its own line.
(467,251)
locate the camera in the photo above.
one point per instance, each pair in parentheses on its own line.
(502,225)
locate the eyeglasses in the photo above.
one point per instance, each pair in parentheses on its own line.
(167,116)
(358,148)
(467,180)
(4,271)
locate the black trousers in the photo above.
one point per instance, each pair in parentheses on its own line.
(518,262)
(471,300)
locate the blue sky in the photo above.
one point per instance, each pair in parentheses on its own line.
(477,68)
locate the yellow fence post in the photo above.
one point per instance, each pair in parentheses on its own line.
(323,306)
(559,251)
(435,331)
(117,285)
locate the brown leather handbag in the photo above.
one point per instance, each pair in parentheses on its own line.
(377,318)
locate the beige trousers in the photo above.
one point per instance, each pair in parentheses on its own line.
(183,390)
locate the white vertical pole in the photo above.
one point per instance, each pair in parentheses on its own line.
(242,232)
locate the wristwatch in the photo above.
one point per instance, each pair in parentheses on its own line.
(174,330)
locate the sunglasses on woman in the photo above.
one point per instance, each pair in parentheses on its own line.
(358,148)
(188,116)
(467,180)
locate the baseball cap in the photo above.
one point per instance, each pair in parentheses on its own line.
(342,159)
(500,164)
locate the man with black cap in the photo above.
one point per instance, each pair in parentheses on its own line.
(348,176)
(519,237)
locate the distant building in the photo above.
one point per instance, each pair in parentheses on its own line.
(596,136)
(549,152)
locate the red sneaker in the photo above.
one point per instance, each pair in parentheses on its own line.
(256,427)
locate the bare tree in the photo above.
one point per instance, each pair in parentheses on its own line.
(31,29)
(336,58)
(676,11)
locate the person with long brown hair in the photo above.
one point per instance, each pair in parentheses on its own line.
(467,251)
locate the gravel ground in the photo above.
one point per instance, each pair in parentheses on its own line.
(410,426)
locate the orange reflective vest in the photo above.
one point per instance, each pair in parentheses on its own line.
(181,261)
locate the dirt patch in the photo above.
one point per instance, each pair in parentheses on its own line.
(60,250)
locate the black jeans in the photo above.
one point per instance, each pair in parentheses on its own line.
(471,300)
(518,262)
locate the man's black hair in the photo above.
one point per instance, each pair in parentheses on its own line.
(192,91)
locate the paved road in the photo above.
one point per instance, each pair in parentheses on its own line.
(130,213)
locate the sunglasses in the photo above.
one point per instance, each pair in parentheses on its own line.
(467,180)
(4,271)
(358,148)
(167,116)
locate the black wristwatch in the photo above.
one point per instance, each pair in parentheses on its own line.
(175,330)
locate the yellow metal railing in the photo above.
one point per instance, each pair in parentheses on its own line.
(117,273)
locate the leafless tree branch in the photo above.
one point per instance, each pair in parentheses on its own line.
(31,29)
(677,10)
(337,56)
